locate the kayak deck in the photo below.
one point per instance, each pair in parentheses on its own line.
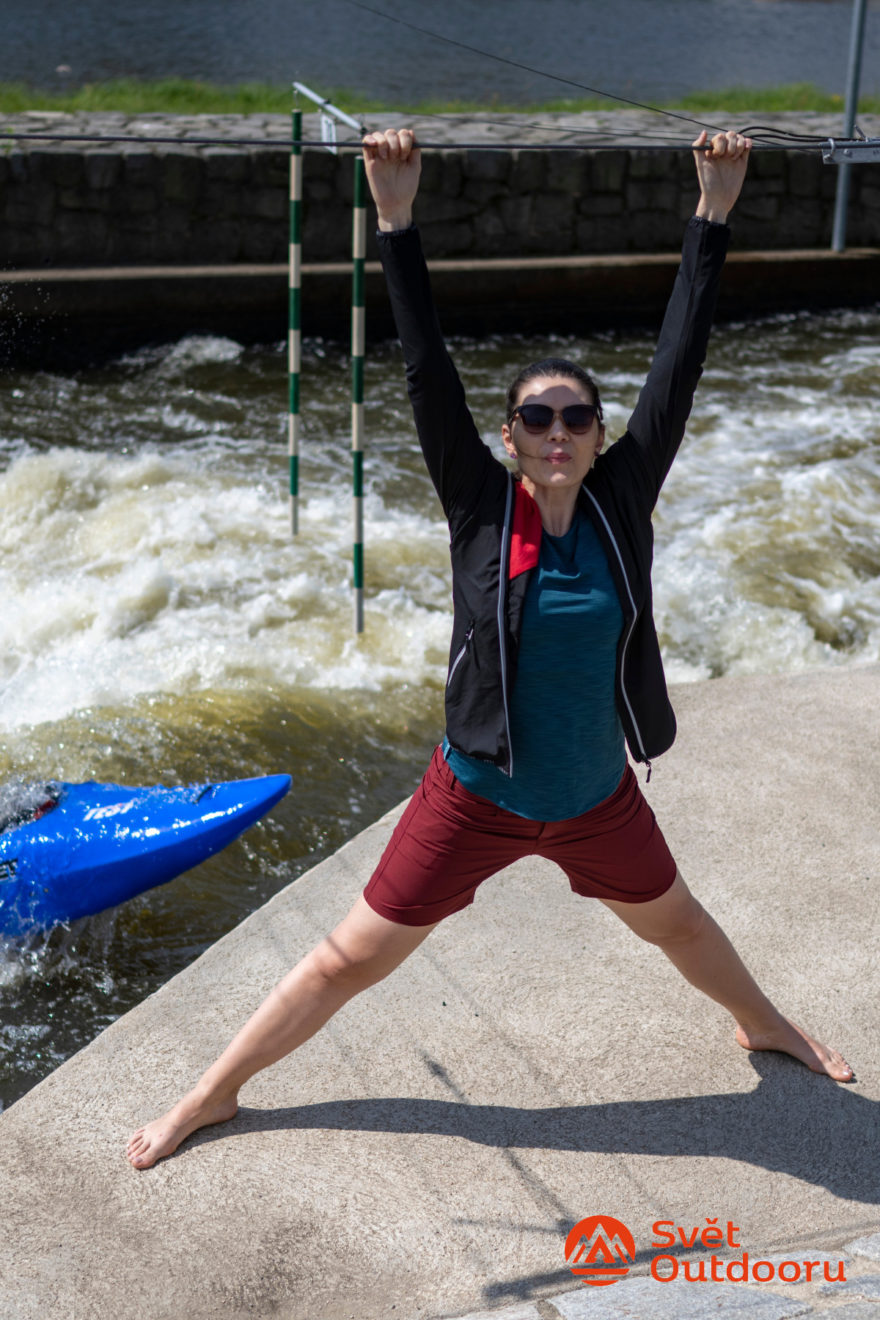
(101,844)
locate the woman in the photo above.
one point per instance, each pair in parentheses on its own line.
(554,662)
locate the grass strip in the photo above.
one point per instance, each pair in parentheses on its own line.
(182,96)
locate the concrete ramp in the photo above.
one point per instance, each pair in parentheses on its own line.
(531,1065)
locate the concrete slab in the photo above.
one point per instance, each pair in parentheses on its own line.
(530,1065)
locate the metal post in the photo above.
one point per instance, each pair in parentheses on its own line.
(358,253)
(841,202)
(294,333)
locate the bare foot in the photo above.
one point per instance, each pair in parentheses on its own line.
(791,1039)
(164,1135)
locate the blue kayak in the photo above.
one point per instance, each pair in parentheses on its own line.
(87,847)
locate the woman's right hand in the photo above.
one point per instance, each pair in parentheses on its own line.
(393,163)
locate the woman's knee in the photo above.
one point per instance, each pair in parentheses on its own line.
(680,926)
(364,949)
(674,918)
(346,973)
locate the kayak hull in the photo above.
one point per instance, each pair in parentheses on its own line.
(104,843)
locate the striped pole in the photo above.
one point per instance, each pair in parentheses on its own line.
(358,252)
(294,337)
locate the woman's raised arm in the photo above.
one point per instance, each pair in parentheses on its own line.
(658,422)
(457,459)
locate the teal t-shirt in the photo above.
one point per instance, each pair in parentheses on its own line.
(567,739)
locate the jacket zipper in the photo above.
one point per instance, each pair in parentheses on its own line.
(461,654)
(502,627)
(632,625)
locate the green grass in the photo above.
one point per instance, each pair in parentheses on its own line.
(791,96)
(184,96)
(177,96)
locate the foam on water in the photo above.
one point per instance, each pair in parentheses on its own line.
(768,557)
(163,573)
(20,800)
(149,569)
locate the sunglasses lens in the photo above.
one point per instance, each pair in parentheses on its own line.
(579,416)
(536,416)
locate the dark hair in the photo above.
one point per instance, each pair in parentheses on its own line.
(553,367)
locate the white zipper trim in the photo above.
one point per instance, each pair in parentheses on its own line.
(632,625)
(458,659)
(502,644)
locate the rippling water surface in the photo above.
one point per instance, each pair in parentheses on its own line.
(160,625)
(637,48)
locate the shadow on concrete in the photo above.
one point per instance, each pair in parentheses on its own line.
(793,1122)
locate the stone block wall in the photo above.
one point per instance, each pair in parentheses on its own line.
(183,203)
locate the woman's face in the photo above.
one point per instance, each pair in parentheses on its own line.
(556,458)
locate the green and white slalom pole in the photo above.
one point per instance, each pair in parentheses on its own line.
(358,342)
(294,334)
(330,114)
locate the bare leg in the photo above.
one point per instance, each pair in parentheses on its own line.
(698,947)
(362,950)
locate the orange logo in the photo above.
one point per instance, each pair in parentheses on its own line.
(600,1249)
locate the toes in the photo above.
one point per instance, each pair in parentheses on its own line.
(140,1155)
(832,1063)
(137,1147)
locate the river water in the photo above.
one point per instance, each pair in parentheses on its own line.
(160,625)
(643,49)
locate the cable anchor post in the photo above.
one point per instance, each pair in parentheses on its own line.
(859,150)
(854,73)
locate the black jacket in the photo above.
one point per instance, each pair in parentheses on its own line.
(495,526)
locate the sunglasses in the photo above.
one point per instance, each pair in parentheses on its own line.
(539,417)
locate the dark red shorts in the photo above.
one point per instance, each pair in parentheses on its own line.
(448,841)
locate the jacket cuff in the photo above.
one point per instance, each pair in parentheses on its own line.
(700,222)
(396,235)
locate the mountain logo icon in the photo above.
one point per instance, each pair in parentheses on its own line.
(600,1250)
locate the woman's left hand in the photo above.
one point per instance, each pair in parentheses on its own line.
(721,168)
